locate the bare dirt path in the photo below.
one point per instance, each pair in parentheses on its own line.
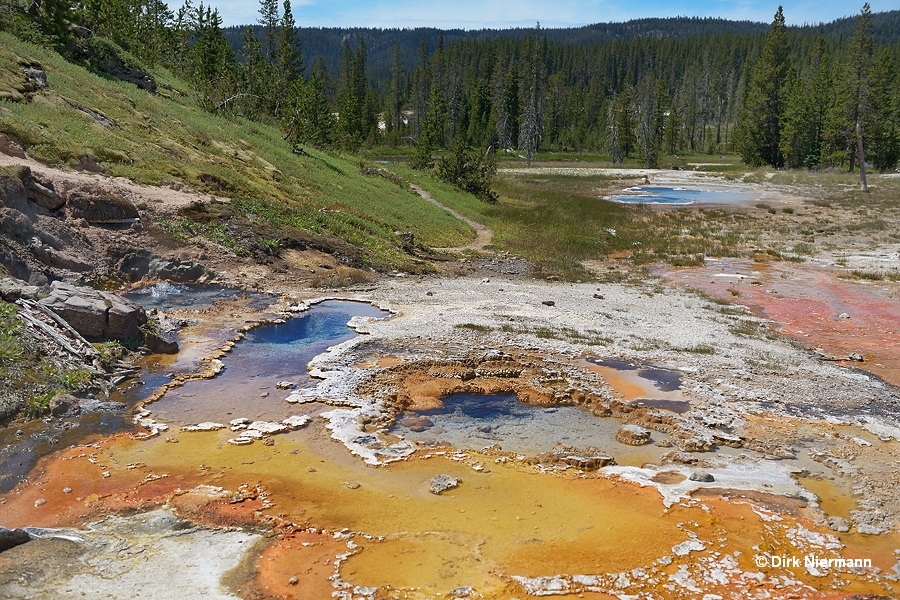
(483,234)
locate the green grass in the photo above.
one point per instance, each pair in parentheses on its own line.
(29,378)
(168,138)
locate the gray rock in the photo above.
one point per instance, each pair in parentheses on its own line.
(36,79)
(15,289)
(96,205)
(442,483)
(856,356)
(12,189)
(702,477)
(136,265)
(96,315)
(176,271)
(39,279)
(161,343)
(129,73)
(64,405)
(10,538)
(94,405)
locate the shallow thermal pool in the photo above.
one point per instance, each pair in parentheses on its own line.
(647,194)
(475,421)
(268,354)
(168,296)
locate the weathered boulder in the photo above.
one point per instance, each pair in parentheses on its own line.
(633,435)
(96,205)
(36,78)
(96,315)
(10,538)
(15,289)
(64,405)
(161,343)
(176,271)
(702,477)
(130,73)
(135,264)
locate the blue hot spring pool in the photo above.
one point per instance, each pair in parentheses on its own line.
(680,196)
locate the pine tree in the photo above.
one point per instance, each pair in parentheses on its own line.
(849,111)
(211,61)
(883,122)
(624,123)
(806,105)
(759,126)
(396,97)
(255,75)
(268,19)
(312,122)
(288,65)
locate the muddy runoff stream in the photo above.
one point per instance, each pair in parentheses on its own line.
(526,493)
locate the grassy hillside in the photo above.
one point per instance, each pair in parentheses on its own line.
(83,118)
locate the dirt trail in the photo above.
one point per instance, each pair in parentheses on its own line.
(483,234)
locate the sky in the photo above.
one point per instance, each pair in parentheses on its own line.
(501,14)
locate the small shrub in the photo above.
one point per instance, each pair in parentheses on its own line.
(341,277)
(474,327)
(469,170)
(699,349)
(866,275)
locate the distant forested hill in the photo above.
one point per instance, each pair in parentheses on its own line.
(327,41)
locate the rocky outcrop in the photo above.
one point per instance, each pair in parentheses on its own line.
(96,205)
(176,271)
(96,315)
(42,192)
(35,245)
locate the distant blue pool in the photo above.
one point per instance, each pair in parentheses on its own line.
(679,196)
